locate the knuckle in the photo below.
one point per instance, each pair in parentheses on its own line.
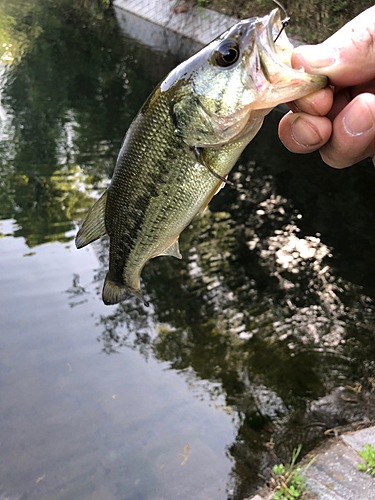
(364,40)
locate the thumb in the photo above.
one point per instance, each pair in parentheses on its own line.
(347,57)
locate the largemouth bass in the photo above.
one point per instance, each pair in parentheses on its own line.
(185,140)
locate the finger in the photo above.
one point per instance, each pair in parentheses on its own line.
(318,103)
(353,134)
(347,57)
(341,100)
(303,133)
(325,102)
(343,96)
(363,88)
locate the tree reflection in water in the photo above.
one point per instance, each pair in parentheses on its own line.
(261,310)
(72,88)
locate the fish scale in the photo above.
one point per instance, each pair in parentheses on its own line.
(146,207)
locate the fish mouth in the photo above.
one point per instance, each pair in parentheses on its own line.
(282,48)
(284,82)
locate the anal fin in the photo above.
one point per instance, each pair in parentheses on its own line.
(173,250)
(93,226)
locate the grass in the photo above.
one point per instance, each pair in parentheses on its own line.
(311,22)
(368,454)
(286,482)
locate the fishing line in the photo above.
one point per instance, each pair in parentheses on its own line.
(199,156)
(284,22)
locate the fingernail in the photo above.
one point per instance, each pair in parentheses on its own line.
(304,134)
(358,120)
(317,56)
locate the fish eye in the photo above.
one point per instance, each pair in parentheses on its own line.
(227,53)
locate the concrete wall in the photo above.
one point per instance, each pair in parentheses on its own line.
(155,36)
(200,25)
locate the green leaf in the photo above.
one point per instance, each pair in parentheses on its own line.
(279,469)
(295,492)
(368,454)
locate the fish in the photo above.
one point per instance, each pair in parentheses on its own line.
(185,140)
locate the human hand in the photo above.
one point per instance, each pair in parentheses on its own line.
(339,120)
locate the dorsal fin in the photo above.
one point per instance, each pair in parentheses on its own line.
(173,250)
(93,226)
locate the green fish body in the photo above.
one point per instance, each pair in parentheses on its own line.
(183,143)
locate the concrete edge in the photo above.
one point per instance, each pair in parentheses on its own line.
(334,474)
(199,24)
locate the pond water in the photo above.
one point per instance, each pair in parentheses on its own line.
(260,339)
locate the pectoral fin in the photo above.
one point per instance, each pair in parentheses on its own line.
(199,155)
(216,189)
(93,226)
(173,250)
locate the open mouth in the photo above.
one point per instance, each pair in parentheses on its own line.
(282,48)
(276,56)
(279,82)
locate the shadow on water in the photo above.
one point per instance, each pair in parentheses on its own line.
(271,307)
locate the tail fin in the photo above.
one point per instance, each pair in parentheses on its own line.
(115,292)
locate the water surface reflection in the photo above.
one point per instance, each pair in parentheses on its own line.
(264,310)
(268,320)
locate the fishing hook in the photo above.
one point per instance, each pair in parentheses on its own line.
(284,22)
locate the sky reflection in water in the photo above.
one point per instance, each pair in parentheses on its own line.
(260,339)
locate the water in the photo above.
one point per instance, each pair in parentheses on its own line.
(259,340)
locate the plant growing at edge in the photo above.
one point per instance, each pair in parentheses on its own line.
(368,454)
(287,481)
